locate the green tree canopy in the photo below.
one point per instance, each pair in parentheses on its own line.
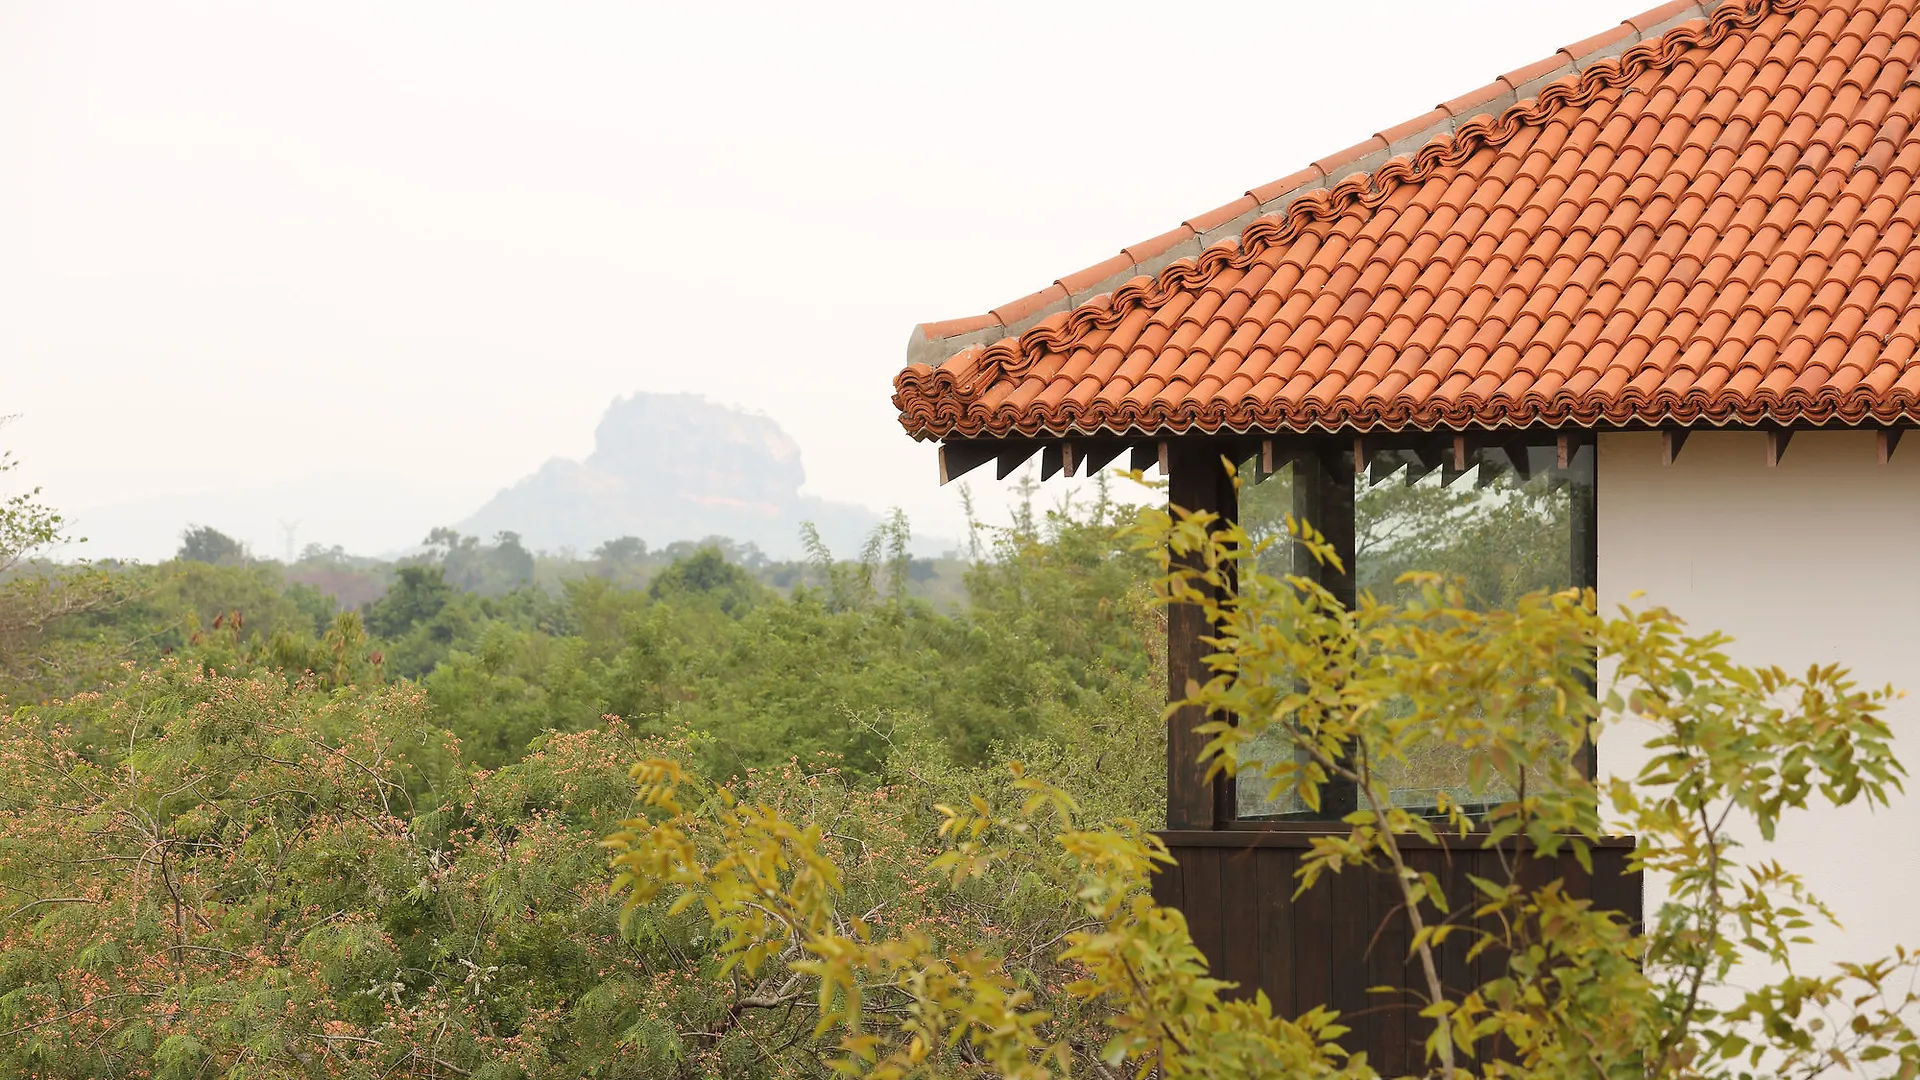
(706,573)
(206,544)
(418,594)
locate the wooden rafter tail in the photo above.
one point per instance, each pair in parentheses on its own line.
(1268,465)
(1454,458)
(1671,440)
(1886,441)
(1162,452)
(1145,456)
(1070,457)
(1381,467)
(1425,458)
(959,459)
(1519,457)
(1100,455)
(1490,471)
(1363,448)
(1777,445)
(1052,460)
(1563,451)
(1014,456)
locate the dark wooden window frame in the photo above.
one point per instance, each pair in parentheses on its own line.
(1198,480)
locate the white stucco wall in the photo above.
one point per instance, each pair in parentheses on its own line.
(1816,560)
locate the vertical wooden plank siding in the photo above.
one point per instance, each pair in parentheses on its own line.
(1206,899)
(1575,877)
(1240,921)
(1167,887)
(1613,888)
(1489,866)
(1413,976)
(1274,882)
(1386,966)
(1348,933)
(1312,974)
(1456,971)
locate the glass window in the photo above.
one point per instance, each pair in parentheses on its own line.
(1513,521)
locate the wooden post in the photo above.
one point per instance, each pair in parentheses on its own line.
(1582,466)
(1582,462)
(1196,480)
(1323,498)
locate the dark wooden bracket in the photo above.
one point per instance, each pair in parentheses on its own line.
(1519,458)
(1489,472)
(1887,440)
(1148,455)
(1012,457)
(1381,466)
(1425,460)
(958,459)
(1100,455)
(1059,459)
(1053,458)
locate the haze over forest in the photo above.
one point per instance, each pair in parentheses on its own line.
(663,468)
(669,467)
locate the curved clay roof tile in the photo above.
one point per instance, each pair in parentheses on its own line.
(1706,215)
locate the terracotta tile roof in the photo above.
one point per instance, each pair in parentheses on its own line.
(1695,218)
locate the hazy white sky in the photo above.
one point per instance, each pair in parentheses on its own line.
(415,248)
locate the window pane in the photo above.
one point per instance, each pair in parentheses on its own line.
(1513,522)
(1502,534)
(1263,513)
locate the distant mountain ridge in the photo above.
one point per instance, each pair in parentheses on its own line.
(669,467)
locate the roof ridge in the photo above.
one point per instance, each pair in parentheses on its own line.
(1012,357)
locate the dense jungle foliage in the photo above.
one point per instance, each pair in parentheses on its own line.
(1710,987)
(345,818)
(245,832)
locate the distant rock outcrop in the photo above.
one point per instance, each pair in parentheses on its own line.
(669,467)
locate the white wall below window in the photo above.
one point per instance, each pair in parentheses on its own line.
(1816,560)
